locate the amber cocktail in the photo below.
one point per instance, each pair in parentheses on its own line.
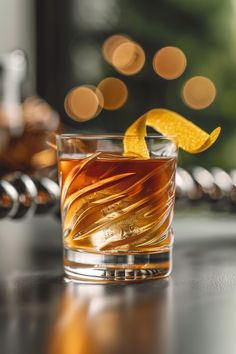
(116,210)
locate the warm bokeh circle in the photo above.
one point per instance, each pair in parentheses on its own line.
(169,63)
(128,58)
(111,44)
(199,92)
(84,102)
(114,91)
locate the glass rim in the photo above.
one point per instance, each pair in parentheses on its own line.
(104,136)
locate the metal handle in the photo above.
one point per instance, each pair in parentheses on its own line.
(22,195)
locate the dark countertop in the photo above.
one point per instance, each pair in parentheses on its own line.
(194,311)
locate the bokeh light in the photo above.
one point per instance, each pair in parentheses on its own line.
(110,45)
(128,58)
(114,91)
(169,62)
(124,54)
(44,158)
(84,102)
(199,92)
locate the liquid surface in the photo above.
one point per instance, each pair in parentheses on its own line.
(112,203)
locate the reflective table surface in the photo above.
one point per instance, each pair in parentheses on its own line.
(193,311)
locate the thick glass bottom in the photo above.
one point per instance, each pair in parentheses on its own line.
(102,268)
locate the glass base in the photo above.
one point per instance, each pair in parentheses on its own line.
(123,268)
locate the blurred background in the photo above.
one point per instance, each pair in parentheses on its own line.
(63,44)
(49,47)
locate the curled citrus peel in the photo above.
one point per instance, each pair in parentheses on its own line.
(187,135)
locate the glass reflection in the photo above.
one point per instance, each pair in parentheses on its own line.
(113,319)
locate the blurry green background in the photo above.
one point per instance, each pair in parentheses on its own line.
(65,50)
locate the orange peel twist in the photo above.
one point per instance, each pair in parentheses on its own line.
(187,135)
